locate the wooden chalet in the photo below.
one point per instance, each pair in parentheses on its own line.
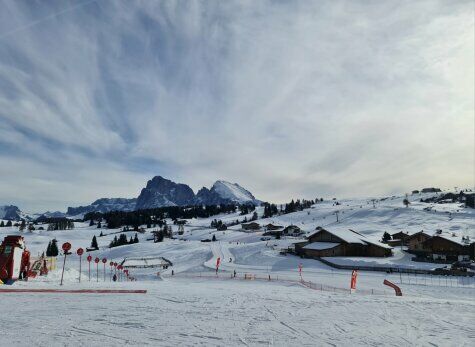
(271,227)
(292,230)
(398,239)
(341,243)
(416,243)
(450,247)
(253,226)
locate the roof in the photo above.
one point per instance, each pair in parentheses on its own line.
(345,235)
(321,245)
(251,224)
(453,238)
(378,244)
(351,236)
(418,233)
(292,227)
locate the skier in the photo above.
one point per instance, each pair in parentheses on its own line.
(234,273)
(114,278)
(230,260)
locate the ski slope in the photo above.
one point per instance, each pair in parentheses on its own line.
(196,306)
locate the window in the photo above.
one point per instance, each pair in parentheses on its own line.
(7,250)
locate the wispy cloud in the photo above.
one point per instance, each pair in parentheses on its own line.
(290,98)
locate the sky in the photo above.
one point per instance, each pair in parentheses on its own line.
(288,98)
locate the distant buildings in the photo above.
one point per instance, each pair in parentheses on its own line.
(250,227)
(430,190)
(292,230)
(443,247)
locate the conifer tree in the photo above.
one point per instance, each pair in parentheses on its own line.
(54,248)
(94,243)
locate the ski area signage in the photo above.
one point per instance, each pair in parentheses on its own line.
(66,247)
(354,275)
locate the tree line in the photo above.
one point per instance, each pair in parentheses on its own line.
(117,219)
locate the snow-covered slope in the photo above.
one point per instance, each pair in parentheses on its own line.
(279,312)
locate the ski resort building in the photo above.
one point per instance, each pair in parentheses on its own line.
(292,230)
(249,227)
(399,239)
(416,242)
(442,247)
(448,247)
(344,243)
(271,227)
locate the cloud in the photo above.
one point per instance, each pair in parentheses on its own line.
(289,98)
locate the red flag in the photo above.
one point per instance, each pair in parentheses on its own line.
(218,261)
(354,275)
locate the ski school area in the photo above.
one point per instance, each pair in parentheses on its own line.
(213,294)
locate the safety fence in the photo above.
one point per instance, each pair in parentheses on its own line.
(437,280)
(279,278)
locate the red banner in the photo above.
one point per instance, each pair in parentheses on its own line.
(354,275)
(218,261)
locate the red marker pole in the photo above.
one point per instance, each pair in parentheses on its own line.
(97,268)
(89,258)
(104,261)
(66,247)
(79,252)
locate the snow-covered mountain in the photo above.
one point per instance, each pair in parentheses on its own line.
(104,205)
(161,192)
(225,192)
(10,212)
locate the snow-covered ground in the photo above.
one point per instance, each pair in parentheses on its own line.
(194,306)
(184,312)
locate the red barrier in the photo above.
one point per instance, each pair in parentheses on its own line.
(75,291)
(395,287)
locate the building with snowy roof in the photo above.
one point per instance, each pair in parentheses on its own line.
(344,243)
(449,247)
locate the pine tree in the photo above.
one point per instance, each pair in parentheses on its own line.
(131,240)
(94,243)
(386,236)
(214,238)
(91,223)
(9,223)
(48,250)
(2,224)
(99,225)
(54,248)
(136,238)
